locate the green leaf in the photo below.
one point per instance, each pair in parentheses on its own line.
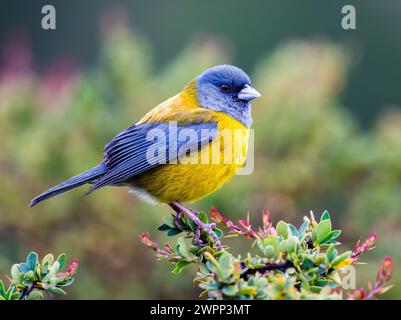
(321,282)
(323,230)
(30,275)
(269,251)
(192,225)
(2,289)
(27,283)
(15,273)
(173,232)
(61,260)
(11,289)
(293,230)
(164,227)
(331,254)
(35,295)
(219,233)
(31,260)
(226,266)
(55,267)
(282,229)
(331,243)
(204,269)
(230,290)
(225,261)
(182,248)
(291,244)
(342,257)
(57,291)
(249,291)
(302,228)
(48,260)
(307,264)
(202,217)
(268,246)
(66,282)
(332,235)
(180,265)
(325,216)
(315,289)
(14,296)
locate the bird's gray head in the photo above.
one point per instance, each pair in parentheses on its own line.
(227,89)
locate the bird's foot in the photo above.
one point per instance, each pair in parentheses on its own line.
(178,220)
(201,226)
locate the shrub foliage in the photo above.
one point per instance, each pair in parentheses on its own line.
(290,262)
(30,279)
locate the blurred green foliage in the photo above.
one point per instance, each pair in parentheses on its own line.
(309,154)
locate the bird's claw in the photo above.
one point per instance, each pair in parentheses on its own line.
(208,228)
(205,227)
(197,240)
(177,220)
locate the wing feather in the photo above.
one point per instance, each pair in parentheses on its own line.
(126,155)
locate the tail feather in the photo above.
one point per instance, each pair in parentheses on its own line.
(70,184)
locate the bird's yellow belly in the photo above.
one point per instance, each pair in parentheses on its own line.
(184,182)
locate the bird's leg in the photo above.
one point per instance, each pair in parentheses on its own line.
(207,228)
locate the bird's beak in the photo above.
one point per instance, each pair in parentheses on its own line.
(248,93)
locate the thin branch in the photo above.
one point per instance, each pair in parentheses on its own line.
(267,267)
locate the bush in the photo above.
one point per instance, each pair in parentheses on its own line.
(30,279)
(291,263)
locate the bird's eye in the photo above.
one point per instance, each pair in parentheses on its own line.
(224,88)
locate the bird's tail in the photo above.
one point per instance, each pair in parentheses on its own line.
(70,184)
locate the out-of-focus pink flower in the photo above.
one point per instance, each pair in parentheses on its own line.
(16,57)
(247,230)
(267,228)
(57,82)
(384,275)
(71,270)
(167,253)
(357,294)
(365,246)
(218,218)
(59,73)
(147,241)
(266,220)
(385,271)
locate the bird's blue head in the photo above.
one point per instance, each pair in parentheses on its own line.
(227,89)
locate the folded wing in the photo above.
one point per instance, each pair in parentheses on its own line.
(145,146)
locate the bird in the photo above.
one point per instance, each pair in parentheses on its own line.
(153,159)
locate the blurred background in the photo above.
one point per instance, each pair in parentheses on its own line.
(327,129)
